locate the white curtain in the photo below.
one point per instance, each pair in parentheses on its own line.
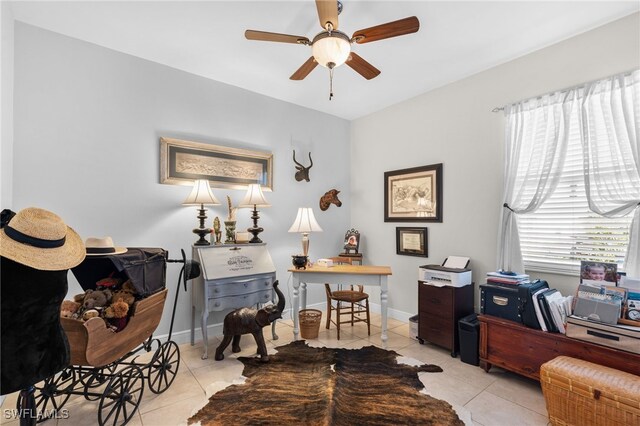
(609,126)
(535,143)
(536,139)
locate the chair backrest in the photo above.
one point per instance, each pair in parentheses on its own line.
(340,260)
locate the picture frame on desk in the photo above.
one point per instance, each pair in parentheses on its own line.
(182,162)
(411,241)
(413,195)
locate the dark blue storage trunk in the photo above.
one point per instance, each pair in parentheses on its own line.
(499,301)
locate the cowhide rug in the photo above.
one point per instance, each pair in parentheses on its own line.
(302,385)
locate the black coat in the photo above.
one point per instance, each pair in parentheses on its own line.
(34,345)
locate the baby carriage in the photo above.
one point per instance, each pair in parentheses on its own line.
(104,363)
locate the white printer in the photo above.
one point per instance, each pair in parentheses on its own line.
(453,272)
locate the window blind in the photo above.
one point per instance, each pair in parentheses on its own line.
(563,231)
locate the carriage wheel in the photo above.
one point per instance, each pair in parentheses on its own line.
(121,397)
(163,367)
(50,394)
(96,378)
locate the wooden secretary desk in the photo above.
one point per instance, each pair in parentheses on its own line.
(233,276)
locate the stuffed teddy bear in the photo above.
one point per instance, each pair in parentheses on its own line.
(128,286)
(90,313)
(124,295)
(116,314)
(96,299)
(69,308)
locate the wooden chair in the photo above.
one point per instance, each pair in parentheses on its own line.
(353,302)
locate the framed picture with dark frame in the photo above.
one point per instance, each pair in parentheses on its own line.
(182,162)
(413,195)
(351,241)
(412,241)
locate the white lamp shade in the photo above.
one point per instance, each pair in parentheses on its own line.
(305,221)
(332,49)
(254,197)
(201,194)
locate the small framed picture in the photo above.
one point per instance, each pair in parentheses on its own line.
(351,241)
(412,241)
(595,273)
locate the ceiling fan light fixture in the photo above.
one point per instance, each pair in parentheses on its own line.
(331,49)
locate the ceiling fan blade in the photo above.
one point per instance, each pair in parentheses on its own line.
(304,70)
(362,67)
(282,38)
(388,30)
(328,12)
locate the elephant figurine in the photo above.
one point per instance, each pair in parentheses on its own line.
(249,321)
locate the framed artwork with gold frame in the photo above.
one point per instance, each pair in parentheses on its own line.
(182,162)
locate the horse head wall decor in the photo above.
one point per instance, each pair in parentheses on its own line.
(303,172)
(330,197)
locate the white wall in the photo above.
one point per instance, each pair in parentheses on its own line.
(454,125)
(87,127)
(6,106)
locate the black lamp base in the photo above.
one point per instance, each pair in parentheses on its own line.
(255,230)
(202,231)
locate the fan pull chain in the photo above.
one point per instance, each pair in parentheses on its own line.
(330,83)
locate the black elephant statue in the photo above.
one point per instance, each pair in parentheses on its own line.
(249,321)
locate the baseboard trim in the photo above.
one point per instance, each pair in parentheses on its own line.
(184,336)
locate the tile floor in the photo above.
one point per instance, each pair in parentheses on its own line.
(484,399)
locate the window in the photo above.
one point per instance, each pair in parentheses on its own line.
(563,231)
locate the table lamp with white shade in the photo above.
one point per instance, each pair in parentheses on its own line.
(201,195)
(254,198)
(305,223)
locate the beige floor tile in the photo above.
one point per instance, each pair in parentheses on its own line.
(85,413)
(489,409)
(471,373)
(521,390)
(450,389)
(174,414)
(402,329)
(394,341)
(428,353)
(226,370)
(185,386)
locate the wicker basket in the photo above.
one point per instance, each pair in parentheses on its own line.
(310,323)
(578,392)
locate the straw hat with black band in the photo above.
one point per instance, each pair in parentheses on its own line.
(102,246)
(40,239)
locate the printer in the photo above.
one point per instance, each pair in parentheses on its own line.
(453,272)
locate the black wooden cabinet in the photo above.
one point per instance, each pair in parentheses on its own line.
(439,310)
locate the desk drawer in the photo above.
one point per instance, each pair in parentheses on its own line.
(239,301)
(241,287)
(435,300)
(436,330)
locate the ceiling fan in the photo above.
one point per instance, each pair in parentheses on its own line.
(332,48)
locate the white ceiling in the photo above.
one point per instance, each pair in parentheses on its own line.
(456,39)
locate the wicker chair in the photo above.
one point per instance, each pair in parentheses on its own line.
(354,303)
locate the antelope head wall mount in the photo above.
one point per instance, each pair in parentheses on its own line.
(302,171)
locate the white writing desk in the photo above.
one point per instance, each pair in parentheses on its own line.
(339,274)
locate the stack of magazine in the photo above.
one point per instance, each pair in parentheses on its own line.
(501,277)
(552,309)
